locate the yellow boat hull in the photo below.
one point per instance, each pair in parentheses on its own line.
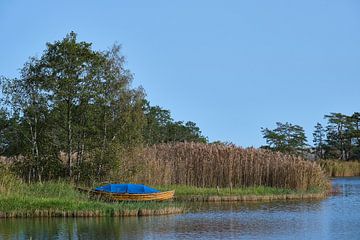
(160,196)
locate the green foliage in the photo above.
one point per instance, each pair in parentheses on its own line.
(286,138)
(339,139)
(70,106)
(73,108)
(319,140)
(343,136)
(161,128)
(3,129)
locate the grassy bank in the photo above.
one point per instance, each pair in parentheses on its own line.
(260,193)
(54,199)
(336,168)
(183,191)
(60,199)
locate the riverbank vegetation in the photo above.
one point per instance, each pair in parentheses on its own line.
(185,191)
(336,168)
(258,193)
(61,199)
(244,194)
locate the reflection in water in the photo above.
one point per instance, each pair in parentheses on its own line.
(334,218)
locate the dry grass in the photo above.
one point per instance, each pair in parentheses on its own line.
(211,165)
(336,168)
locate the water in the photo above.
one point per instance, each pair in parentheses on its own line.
(337,217)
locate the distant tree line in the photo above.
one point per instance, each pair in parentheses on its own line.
(339,139)
(72,112)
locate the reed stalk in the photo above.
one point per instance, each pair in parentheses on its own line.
(212,165)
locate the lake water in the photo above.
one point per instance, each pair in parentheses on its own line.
(337,217)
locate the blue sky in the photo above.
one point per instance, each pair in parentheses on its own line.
(230,66)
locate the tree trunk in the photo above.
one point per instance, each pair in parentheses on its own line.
(69,138)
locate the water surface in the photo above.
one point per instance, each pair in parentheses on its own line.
(337,217)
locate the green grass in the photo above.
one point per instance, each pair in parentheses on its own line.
(24,203)
(62,196)
(183,190)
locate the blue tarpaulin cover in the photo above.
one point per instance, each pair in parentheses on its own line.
(127,188)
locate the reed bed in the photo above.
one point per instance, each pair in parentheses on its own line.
(336,168)
(217,165)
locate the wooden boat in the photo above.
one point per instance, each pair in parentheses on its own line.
(160,196)
(129,192)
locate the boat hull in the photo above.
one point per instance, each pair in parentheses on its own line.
(160,196)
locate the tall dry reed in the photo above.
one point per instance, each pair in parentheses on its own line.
(337,168)
(211,165)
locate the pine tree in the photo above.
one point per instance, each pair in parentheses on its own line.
(286,137)
(319,140)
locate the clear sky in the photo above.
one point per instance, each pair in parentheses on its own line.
(230,66)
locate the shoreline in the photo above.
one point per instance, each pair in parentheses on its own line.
(253,198)
(91,213)
(44,213)
(62,199)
